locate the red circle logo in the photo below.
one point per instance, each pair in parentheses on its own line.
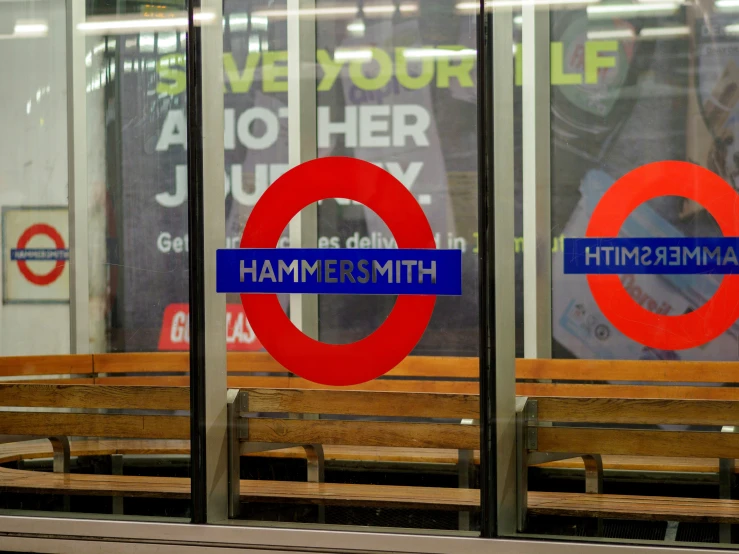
(671,178)
(378,353)
(44,278)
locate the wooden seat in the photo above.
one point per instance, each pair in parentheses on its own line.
(343,494)
(619,506)
(19,481)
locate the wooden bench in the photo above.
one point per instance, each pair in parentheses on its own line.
(551,428)
(448,421)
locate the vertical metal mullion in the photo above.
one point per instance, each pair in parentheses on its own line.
(537,228)
(206,224)
(79,288)
(302,142)
(196,284)
(505,279)
(214,228)
(486,279)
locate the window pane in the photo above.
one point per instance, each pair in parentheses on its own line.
(392,84)
(641,132)
(72,441)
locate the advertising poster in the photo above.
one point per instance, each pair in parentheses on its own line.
(382,97)
(400,92)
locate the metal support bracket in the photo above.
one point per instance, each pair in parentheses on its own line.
(239,423)
(531,415)
(726,479)
(61,454)
(116,468)
(234,454)
(522,469)
(465,465)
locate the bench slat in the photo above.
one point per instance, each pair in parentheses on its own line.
(15,480)
(145,381)
(88,396)
(397,385)
(656,508)
(258,381)
(364,403)
(693,444)
(261,362)
(627,410)
(139,362)
(667,371)
(47,424)
(437,366)
(627,391)
(364,433)
(73,364)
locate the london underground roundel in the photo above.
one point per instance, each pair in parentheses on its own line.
(416,271)
(602,256)
(59,254)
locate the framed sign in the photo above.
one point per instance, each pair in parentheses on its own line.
(35,245)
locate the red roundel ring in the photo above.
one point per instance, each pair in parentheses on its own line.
(378,353)
(53,234)
(670,178)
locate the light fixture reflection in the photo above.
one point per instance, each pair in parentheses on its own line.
(632,10)
(119,24)
(610,34)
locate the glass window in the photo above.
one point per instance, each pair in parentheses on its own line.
(85,250)
(392,84)
(632,185)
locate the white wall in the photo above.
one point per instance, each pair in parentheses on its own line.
(33,161)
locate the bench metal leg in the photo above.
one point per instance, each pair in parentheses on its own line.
(234,454)
(593,473)
(726,485)
(671,531)
(522,466)
(465,462)
(116,468)
(316,463)
(594,481)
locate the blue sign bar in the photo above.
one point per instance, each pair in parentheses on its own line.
(339,271)
(655,256)
(39,254)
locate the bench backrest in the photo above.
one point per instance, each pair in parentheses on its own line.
(574,378)
(625,426)
(151,412)
(438,425)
